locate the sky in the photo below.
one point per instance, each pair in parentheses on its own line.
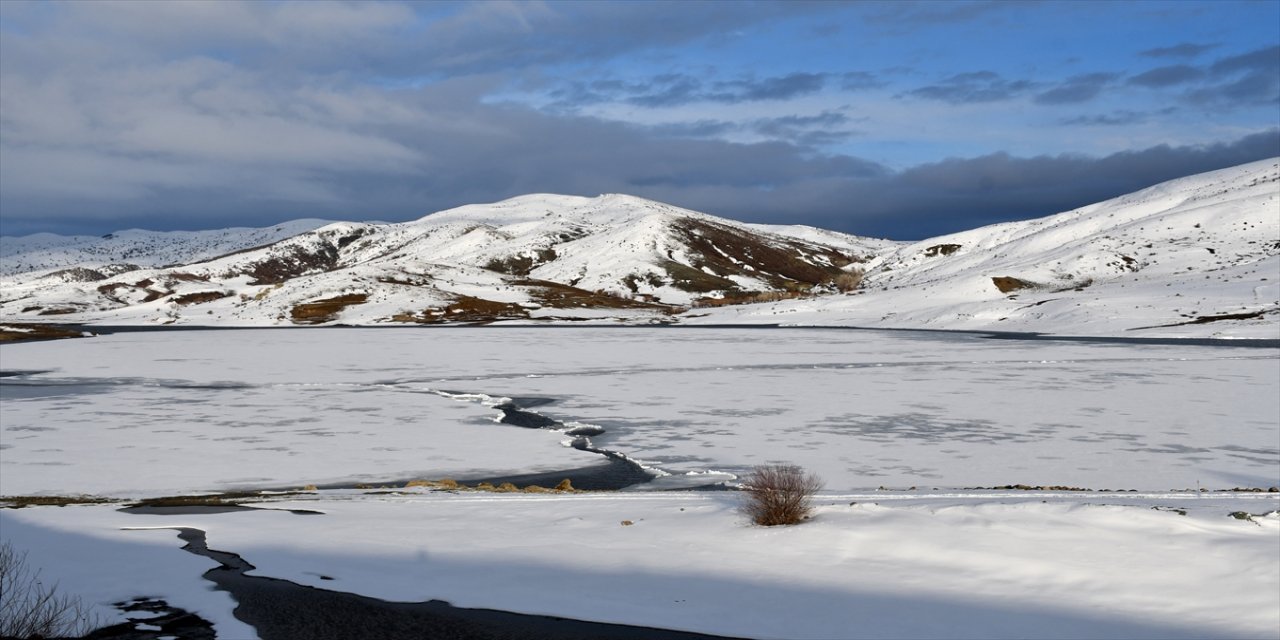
(902,120)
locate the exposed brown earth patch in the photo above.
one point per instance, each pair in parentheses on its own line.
(295,262)
(465,309)
(521,265)
(562,296)
(58,311)
(30,331)
(941,250)
(724,251)
(325,310)
(1007,284)
(200,297)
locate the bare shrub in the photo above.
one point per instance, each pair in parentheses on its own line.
(848,281)
(31,609)
(779,494)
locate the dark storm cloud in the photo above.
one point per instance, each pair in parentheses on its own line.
(973,87)
(1081,88)
(404,40)
(959,194)
(1167,76)
(1180,50)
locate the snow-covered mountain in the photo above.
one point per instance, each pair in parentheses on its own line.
(136,247)
(535,256)
(1198,256)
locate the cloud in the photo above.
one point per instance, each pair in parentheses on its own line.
(1265,59)
(396,39)
(918,14)
(826,128)
(973,87)
(860,81)
(959,194)
(676,89)
(1081,88)
(1167,76)
(200,115)
(1180,50)
(775,88)
(1119,117)
(1251,78)
(822,129)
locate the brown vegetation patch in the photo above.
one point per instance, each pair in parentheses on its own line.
(58,311)
(325,310)
(230,498)
(687,278)
(1028,487)
(19,502)
(747,297)
(30,331)
(941,250)
(422,281)
(563,296)
(465,309)
(449,484)
(77,274)
(522,264)
(153,295)
(187,277)
(201,297)
(1007,284)
(728,251)
(470,309)
(632,281)
(295,262)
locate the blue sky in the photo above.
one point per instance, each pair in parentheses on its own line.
(898,119)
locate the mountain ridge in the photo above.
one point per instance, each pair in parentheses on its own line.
(622,258)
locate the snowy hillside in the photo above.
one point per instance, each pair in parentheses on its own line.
(46,251)
(535,256)
(1198,256)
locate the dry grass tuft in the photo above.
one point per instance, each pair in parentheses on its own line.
(18,502)
(847,281)
(779,494)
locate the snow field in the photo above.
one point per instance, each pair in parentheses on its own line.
(926,567)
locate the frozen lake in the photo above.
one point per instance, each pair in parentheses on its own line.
(191,410)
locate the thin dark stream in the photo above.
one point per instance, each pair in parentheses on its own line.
(282,610)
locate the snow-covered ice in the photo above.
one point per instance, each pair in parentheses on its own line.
(159,413)
(164,412)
